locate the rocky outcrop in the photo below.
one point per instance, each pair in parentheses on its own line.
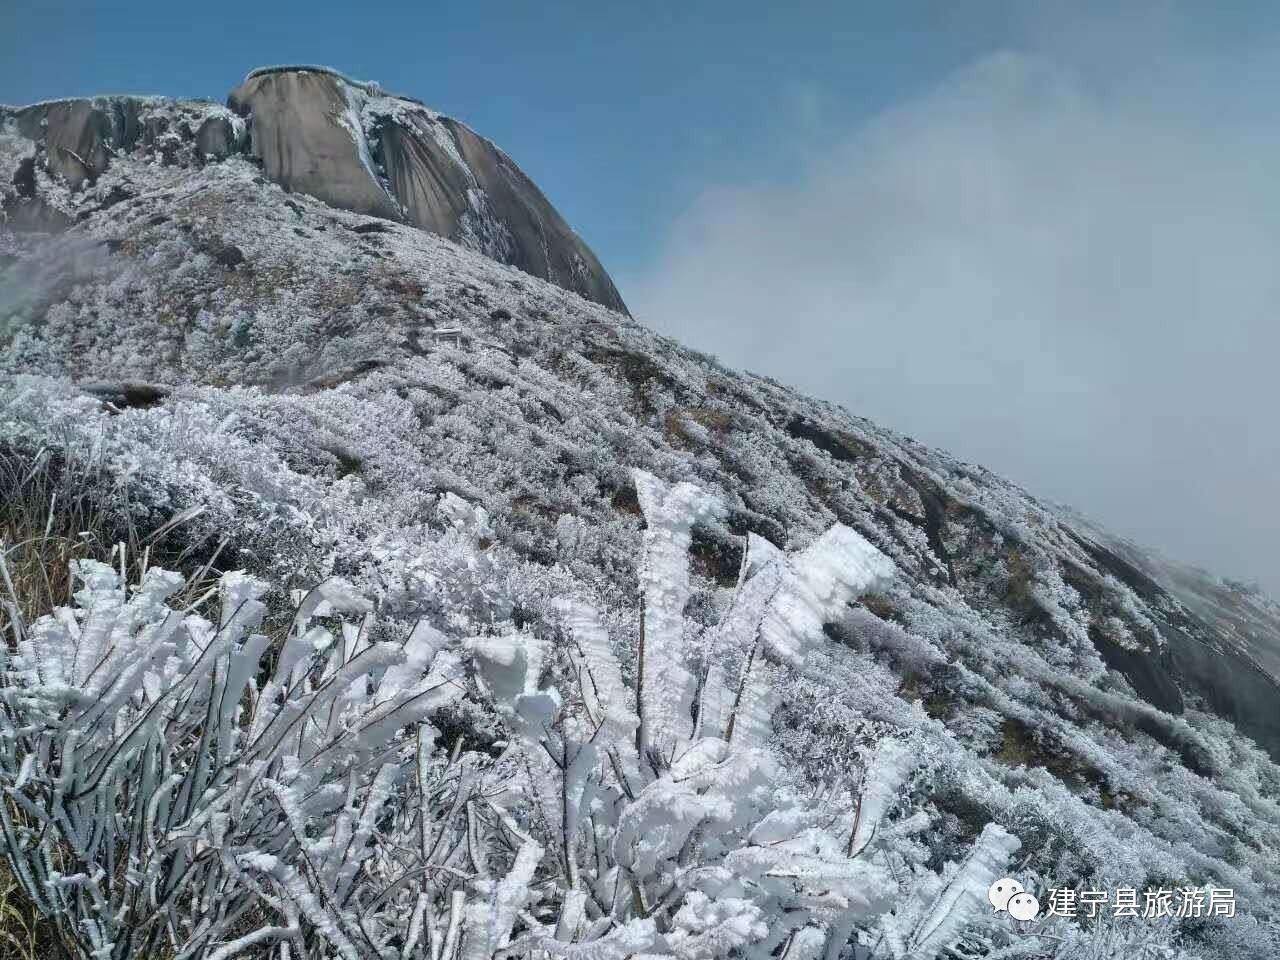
(218,138)
(1221,645)
(79,136)
(76,140)
(542,243)
(305,129)
(22,209)
(353,146)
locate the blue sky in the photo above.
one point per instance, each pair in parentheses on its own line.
(1040,235)
(623,112)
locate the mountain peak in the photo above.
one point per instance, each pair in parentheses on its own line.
(345,142)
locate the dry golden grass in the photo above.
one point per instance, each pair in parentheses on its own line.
(52,511)
(24,934)
(47,519)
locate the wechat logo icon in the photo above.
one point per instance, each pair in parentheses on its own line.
(1008,895)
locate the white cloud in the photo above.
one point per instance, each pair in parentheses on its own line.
(1071,277)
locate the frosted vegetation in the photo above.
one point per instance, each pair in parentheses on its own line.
(871,673)
(178,782)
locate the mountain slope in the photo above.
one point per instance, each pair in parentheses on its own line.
(318,381)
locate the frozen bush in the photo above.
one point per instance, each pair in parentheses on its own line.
(670,828)
(168,777)
(180,784)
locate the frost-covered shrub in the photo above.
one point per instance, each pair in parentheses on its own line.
(171,781)
(669,828)
(183,785)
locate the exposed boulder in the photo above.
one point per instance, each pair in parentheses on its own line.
(451,181)
(1229,683)
(355,147)
(1220,648)
(22,210)
(430,184)
(154,129)
(77,136)
(305,128)
(225,254)
(218,138)
(32,215)
(77,139)
(127,393)
(543,243)
(24,177)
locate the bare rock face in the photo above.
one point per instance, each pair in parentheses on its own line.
(79,136)
(76,140)
(218,138)
(357,148)
(305,128)
(542,243)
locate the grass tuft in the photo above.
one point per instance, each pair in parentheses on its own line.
(55,509)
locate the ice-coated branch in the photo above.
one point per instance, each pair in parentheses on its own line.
(666,685)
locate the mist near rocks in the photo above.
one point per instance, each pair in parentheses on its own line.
(1059,263)
(62,261)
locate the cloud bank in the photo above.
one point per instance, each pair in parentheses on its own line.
(1071,278)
